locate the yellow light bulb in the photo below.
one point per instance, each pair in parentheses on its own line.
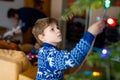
(96,73)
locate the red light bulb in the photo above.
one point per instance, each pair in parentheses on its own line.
(111,22)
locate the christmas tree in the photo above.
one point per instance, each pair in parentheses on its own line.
(108,62)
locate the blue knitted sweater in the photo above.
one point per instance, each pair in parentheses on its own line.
(52,62)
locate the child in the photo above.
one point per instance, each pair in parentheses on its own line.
(51,61)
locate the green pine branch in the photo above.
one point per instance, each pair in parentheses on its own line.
(95,58)
(80,6)
(113,60)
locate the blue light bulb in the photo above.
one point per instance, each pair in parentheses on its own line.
(104,51)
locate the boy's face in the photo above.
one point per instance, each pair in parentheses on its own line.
(52,34)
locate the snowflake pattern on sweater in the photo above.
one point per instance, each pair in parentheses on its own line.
(52,62)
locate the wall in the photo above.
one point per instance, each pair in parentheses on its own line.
(4,6)
(57,7)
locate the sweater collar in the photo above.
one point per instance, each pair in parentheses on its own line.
(49,45)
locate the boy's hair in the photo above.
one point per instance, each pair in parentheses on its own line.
(11,12)
(40,25)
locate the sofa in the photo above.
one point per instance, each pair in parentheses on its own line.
(14,64)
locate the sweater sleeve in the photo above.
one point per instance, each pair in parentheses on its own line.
(65,59)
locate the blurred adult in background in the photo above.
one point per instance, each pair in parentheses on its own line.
(27,17)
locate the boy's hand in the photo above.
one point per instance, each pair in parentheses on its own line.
(96,28)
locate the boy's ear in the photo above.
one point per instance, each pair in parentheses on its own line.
(41,37)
